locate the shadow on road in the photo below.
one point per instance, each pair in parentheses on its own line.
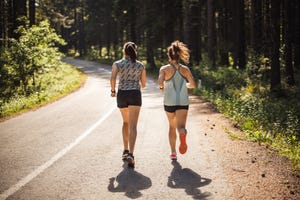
(189,180)
(130,182)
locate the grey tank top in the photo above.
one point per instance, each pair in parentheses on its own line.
(129,74)
(175,90)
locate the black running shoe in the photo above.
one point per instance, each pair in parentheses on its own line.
(124,155)
(130,160)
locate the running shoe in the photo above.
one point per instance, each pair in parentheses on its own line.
(173,156)
(124,155)
(182,146)
(130,160)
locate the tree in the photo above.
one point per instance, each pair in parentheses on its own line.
(256,25)
(19,11)
(211,40)
(238,33)
(288,33)
(192,28)
(275,39)
(32,12)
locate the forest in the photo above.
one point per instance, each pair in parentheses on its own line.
(245,52)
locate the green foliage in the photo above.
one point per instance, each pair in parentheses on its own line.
(225,79)
(34,53)
(25,60)
(55,83)
(243,97)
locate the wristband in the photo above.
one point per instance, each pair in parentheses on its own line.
(113,91)
(162,87)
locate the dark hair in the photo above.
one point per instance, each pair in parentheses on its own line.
(130,50)
(178,50)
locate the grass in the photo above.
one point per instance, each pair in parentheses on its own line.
(56,83)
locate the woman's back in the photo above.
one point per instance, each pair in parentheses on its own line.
(129,74)
(176,92)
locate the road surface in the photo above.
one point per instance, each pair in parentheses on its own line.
(71,149)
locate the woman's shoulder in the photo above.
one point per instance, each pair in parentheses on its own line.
(184,68)
(139,62)
(165,67)
(118,62)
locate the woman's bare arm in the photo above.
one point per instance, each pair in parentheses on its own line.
(143,78)
(190,78)
(161,78)
(113,78)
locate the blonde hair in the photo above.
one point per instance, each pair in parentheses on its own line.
(178,50)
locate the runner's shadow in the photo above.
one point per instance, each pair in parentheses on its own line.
(188,180)
(130,182)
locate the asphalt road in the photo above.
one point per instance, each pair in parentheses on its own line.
(71,149)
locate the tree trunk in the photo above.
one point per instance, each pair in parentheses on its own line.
(32,12)
(297,36)
(19,10)
(256,25)
(222,31)
(239,34)
(288,31)
(267,43)
(192,28)
(3,23)
(211,32)
(275,39)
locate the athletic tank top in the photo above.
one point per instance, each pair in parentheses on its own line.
(129,74)
(175,90)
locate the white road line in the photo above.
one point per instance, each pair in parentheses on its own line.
(56,157)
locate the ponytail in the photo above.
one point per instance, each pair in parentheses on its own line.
(178,50)
(130,50)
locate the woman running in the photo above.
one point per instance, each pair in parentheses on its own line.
(132,77)
(174,80)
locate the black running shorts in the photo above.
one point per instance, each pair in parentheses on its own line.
(172,109)
(127,98)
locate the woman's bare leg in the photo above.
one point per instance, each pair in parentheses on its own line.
(172,131)
(181,116)
(125,127)
(133,120)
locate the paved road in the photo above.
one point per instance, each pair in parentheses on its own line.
(71,149)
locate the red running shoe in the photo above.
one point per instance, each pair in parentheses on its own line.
(182,146)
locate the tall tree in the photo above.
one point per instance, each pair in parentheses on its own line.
(192,28)
(256,25)
(3,23)
(238,33)
(223,21)
(19,10)
(32,12)
(275,39)
(211,37)
(297,35)
(288,32)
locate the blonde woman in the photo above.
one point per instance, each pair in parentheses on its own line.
(132,77)
(174,80)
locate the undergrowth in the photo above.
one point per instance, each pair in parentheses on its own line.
(56,83)
(247,101)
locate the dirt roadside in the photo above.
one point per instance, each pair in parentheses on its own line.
(254,171)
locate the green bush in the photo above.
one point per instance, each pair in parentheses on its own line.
(33,53)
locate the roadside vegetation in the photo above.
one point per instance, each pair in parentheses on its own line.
(31,71)
(244,96)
